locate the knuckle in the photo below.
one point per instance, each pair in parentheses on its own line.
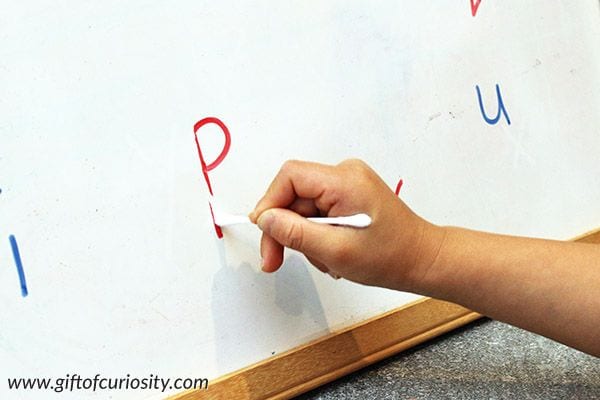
(289,165)
(293,236)
(352,163)
(347,161)
(356,167)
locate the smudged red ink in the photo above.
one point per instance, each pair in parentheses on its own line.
(209,167)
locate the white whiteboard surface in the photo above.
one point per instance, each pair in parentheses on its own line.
(102,188)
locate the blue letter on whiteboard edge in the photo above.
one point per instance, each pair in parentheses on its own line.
(17,257)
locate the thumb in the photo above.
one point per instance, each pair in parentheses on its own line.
(295,232)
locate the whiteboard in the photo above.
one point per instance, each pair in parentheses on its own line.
(102,187)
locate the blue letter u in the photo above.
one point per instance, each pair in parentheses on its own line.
(501,109)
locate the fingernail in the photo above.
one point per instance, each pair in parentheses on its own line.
(265,221)
(252,216)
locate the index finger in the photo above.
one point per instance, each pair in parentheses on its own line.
(295,179)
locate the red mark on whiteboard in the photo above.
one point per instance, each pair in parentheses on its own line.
(209,167)
(398,187)
(474,6)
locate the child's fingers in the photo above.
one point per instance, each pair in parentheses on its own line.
(296,232)
(271,253)
(305,207)
(295,179)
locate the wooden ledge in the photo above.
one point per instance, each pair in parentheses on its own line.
(339,353)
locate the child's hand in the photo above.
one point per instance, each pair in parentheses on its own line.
(545,286)
(395,251)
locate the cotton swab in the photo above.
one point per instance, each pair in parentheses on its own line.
(224,218)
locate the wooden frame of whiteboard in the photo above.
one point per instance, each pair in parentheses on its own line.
(337,354)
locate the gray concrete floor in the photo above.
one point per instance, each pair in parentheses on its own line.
(484,360)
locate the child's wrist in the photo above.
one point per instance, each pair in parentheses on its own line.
(425,273)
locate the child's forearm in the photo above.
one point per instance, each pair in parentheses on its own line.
(548,287)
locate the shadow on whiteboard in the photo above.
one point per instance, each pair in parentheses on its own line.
(256,314)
